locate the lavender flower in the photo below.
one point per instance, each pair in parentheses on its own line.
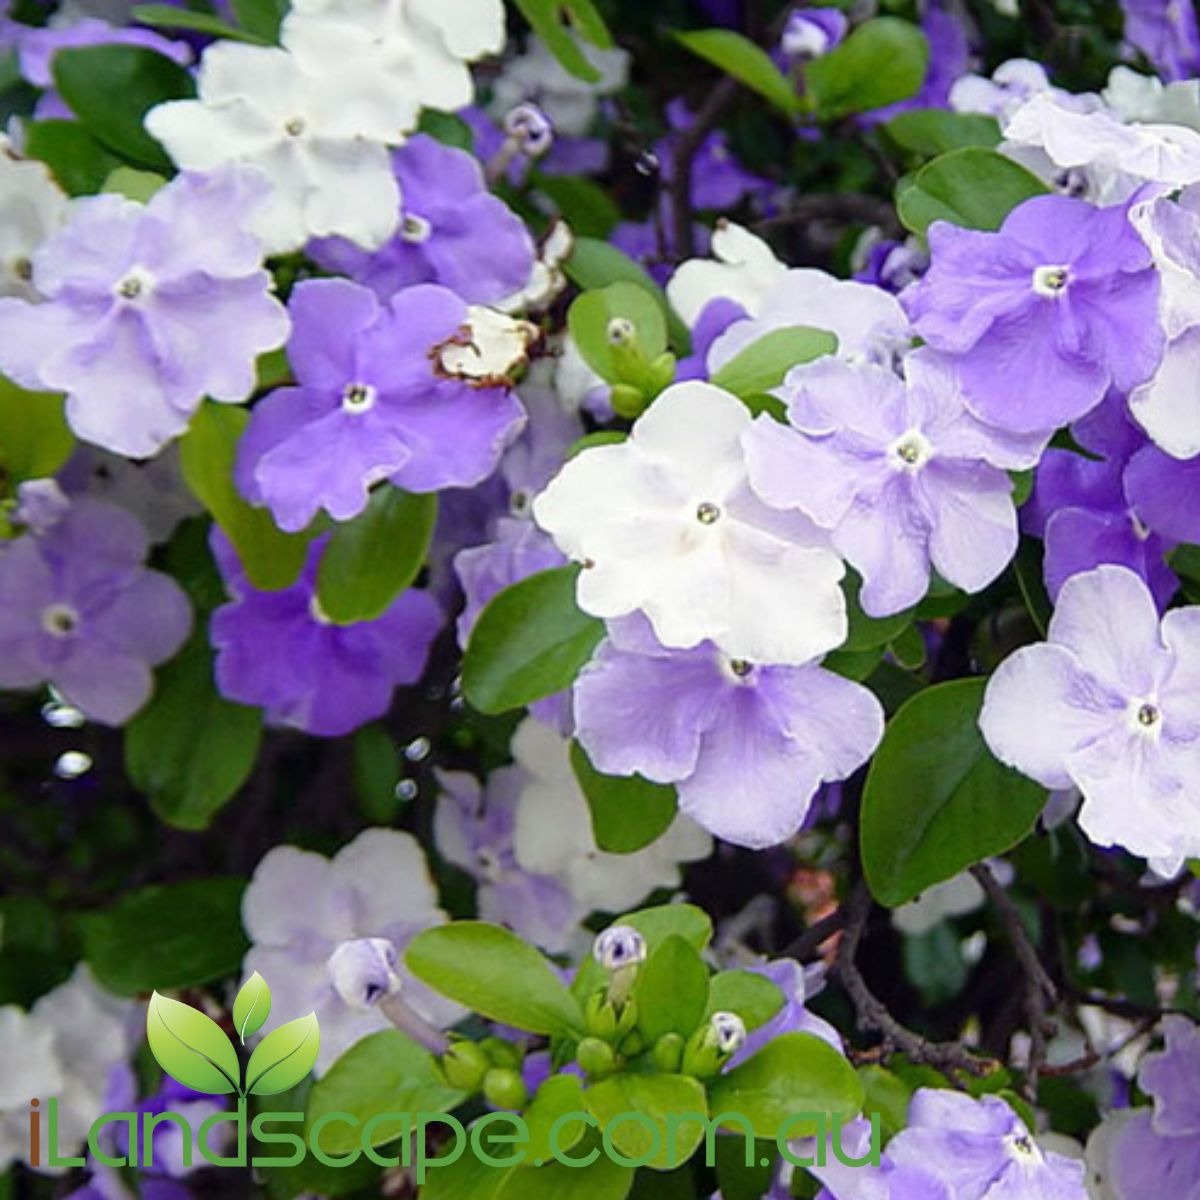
(78,610)
(375,400)
(746,745)
(1166,32)
(147,310)
(811,32)
(795,984)
(1064,297)
(280,652)
(1109,705)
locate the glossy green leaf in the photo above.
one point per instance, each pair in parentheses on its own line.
(386,1072)
(929,132)
(886,1094)
(284,1057)
(34,438)
(191,1047)
(370,560)
(880,62)
(671,990)
(936,801)
(628,812)
(165,16)
(591,314)
(377,771)
(752,996)
(764,364)
(531,641)
(494,973)
(553,21)
(793,1074)
(559,1096)
(133,184)
(748,63)
(261,18)
(79,163)
(869,633)
(190,750)
(667,1101)
(585,206)
(975,188)
(271,558)
(251,1007)
(111,88)
(603,1180)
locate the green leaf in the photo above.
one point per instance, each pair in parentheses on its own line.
(549,20)
(191,1047)
(908,648)
(447,128)
(749,64)
(284,1057)
(666,1100)
(793,1074)
(753,997)
(376,773)
(869,633)
(133,184)
(655,925)
(370,560)
(882,61)
(271,558)
(386,1072)
(111,88)
(974,187)
(764,364)
(887,1095)
(595,264)
(929,132)
(34,438)
(628,812)
(935,800)
(531,641)
(602,1180)
(251,1007)
(933,964)
(190,750)
(589,319)
(558,1096)
(78,162)
(261,18)
(164,16)
(581,202)
(671,990)
(494,973)
(167,936)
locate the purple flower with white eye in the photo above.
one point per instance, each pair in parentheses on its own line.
(903,476)
(811,32)
(280,652)
(474,830)
(746,745)
(1086,511)
(147,310)
(1166,32)
(1110,704)
(375,399)
(1063,297)
(452,231)
(78,610)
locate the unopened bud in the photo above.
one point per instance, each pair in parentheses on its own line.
(714,1044)
(504,1088)
(668,1052)
(621,332)
(501,1053)
(464,1065)
(595,1057)
(619,947)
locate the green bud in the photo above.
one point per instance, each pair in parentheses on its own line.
(600,1015)
(464,1065)
(628,1019)
(633,1044)
(662,371)
(668,1052)
(501,1053)
(628,401)
(713,1045)
(504,1088)
(595,1057)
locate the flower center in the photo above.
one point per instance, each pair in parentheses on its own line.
(22,269)
(317,612)
(60,620)
(911,451)
(1141,531)
(1149,715)
(1050,281)
(295,127)
(358,398)
(740,667)
(708,513)
(621,331)
(414,229)
(518,502)
(1021,1145)
(135,284)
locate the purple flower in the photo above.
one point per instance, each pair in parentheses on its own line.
(1166,32)
(1165,493)
(280,652)
(453,231)
(148,309)
(748,746)
(811,32)
(1086,512)
(373,402)
(79,611)
(718,180)
(793,981)
(1063,298)
(903,476)
(1110,704)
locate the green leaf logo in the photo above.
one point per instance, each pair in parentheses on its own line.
(284,1057)
(191,1047)
(252,1007)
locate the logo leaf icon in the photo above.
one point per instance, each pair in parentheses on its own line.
(252,1007)
(191,1047)
(284,1057)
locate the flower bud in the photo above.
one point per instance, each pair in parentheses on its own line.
(504,1088)
(619,947)
(729,1030)
(530,128)
(627,401)
(502,1053)
(713,1044)
(668,1052)
(595,1057)
(464,1065)
(621,332)
(600,1016)
(363,972)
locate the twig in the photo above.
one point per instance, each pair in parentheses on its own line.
(683,154)
(851,208)
(816,935)
(1093,1058)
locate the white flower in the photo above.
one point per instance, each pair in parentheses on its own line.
(300,907)
(390,58)
(952,898)
(745,271)
(665,523)
(260,105)
(1011,84)
(31,208)
(554,832)
(1135,97)
(568,101)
